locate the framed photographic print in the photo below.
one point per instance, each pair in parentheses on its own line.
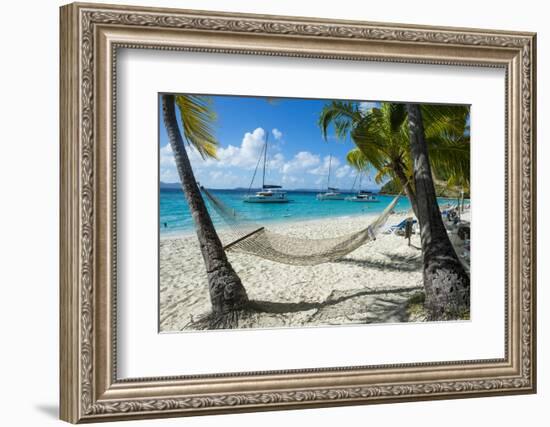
(266,212)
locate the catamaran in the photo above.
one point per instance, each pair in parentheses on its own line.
(362,195)
(331,193)
(269,193)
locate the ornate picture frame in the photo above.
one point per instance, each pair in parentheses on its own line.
(90,37)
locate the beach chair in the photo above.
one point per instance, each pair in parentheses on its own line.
(399,228)
(448,210)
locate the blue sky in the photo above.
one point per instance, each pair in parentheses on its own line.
(298,156)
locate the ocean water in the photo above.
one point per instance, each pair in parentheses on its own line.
(175,218)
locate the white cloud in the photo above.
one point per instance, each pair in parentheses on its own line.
(321,181)
(243,156)
(343,171)
(247,154)
(300,162)
(167,156)
(323,169)
(216,174)
(276,162)
(169,175)
(167,163)
(291,180)
(221,179)
(277,134)
(235,164)
(366,106)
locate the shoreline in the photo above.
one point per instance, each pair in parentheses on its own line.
(278,222)
(222,227)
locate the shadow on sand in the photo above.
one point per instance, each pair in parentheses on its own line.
(395,262)
(333,299)
(353,306)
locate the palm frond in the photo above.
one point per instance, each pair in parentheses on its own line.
(397,115)
(197,117)
(450,158)
(365,156)
(374,131)
(381,137)
(341,114)
(356,159)
(448,120)
(383,173)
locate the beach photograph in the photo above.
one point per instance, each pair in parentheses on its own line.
(291,212)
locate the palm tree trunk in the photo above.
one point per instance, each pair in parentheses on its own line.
(226,290)
(446,283)
(407,187)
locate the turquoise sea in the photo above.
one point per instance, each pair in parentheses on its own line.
(174,217)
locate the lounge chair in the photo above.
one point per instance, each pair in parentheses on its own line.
(398,227)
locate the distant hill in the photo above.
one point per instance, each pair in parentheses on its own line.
(169,185)
(391,187)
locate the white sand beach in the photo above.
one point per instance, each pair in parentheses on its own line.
(370,285)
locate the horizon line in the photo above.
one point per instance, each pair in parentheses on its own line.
(256,188)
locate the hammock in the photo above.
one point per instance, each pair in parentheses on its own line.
(251,238)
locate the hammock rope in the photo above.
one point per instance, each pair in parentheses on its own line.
(252,238)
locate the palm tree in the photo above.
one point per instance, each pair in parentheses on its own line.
(446,283)
(227,294)
(381,137)
(410,146)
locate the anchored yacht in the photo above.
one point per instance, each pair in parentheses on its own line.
(331,193)
(269,193)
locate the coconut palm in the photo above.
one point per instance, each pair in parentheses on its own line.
(382,140)
(410,144)
(227,293)
(446,283)
(448,142)
(447,136)
(379,135)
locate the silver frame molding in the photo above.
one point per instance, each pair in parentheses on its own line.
(90,37)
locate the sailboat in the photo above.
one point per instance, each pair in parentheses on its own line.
(332,192)
(362,195)
(269,193)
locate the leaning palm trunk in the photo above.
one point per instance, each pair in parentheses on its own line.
(226,290)
(446,282)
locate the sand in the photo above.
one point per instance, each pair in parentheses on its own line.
(370,285)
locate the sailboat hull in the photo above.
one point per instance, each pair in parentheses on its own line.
(361,200)
(256,199)
(330,197)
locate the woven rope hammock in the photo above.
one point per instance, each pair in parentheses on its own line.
(251,238)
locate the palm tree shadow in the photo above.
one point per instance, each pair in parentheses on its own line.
(294,307)
(387,310)
(395,262)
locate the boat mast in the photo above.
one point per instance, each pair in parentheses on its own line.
(265,158)
(328,177)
